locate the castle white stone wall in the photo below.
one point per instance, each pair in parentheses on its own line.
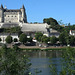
(13,15)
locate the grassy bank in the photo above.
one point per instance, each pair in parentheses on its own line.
(42,49)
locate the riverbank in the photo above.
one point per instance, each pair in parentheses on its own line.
(23,47)
(42,49)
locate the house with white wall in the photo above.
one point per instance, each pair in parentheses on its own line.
(3,36)
(72,32)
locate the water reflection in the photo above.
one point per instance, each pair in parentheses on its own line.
(41,60)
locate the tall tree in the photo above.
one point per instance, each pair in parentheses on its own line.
(53,24)
(50,21)
(63,37)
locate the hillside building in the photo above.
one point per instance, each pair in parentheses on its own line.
(72,32)
(3,37)
(17,17)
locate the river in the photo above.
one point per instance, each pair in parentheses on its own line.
(42,59)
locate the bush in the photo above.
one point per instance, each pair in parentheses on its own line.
(9,39)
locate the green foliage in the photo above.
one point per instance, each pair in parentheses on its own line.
(72,40)
(13,62)
(4,46)
(15,47)
(69,27)
(45,39)
(67,63)
(42,38)
(53,39)
(11,30)
(38,36)
(54,24)
(23,38)
(15,40)
(63,38)
(8,39)
(53,69)
(50,21)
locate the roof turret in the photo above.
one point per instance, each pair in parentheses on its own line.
(1,6)
(23,6)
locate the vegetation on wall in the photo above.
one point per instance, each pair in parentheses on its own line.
(11,30)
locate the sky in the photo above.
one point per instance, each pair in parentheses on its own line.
(37,10)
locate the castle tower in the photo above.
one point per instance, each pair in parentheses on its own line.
(24,17)
(1,13)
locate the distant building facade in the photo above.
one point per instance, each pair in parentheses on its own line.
(3,37)
(72,32)
(17,17)
(12,15)
(31,29)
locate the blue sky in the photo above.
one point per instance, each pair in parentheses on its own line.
(37,10)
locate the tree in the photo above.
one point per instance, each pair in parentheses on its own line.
(53,39)
(8,39)
(71,40)
(53,24)
(13,62)
(45,39)
(63,37)
(38,36)
(23,38)
(15,40)
(68,61)
(50,21)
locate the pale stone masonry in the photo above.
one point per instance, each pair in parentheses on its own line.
(12,15)
(17,17)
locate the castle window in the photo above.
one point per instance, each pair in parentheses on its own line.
(15,16)
(8,16)
(12,16)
